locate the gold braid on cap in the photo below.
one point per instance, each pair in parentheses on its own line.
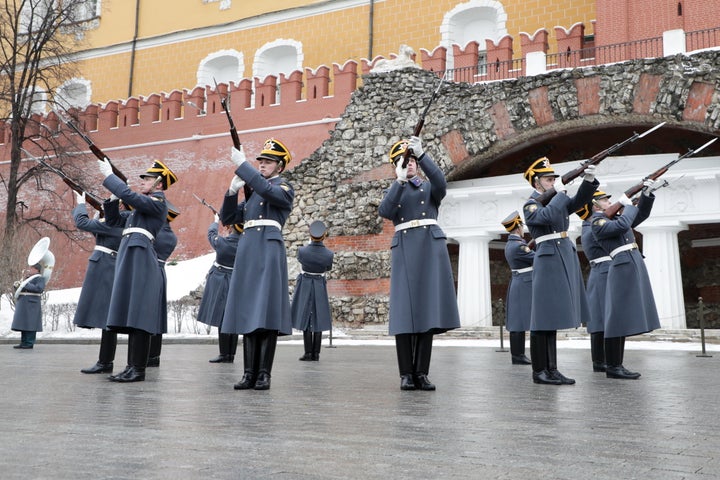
(167,175)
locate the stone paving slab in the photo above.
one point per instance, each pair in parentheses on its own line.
(345,417)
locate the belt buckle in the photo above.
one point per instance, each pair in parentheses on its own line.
(414,223)
(563,234)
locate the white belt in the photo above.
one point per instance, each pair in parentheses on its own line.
(29,293)
(222,266)
(161,262)
(523,270)
(139,230)
(311,273)
(100,248)
(551,236)
(415,223)
(599,260)
(629,246)
(262,223)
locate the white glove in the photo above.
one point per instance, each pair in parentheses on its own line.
(559,185)
(401,172)
(105,167)
(216,218)
(80,197)
(238,156)
(113,197)
(624,200)
(589,173)
(16,283)
(648,184)
(235,184)
(415,146)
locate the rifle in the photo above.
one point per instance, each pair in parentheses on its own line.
(613,209)
(93,148)
(421,121)
(233,132)
(202,200)
(545,198)
(94,201)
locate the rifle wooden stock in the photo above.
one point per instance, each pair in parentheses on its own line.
(421,121)
(95,150)
(233,133)
(545,198)
(91,199)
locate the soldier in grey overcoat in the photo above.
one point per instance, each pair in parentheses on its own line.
(258,305)
(136,298)
(422,289)
(165,244)
(596,282)
(27,318)
(217,283)
(310,308)
(519,257)
(629,302)
(558,294)
(94,302)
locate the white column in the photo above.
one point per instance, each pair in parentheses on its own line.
(474,302)
(662,258)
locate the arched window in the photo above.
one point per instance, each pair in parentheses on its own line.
(475,20)
(280,56)
(75,93)
(223,66)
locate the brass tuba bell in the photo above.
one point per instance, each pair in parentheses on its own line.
(41,255)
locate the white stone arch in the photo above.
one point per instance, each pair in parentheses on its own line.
(279,56)
(74,93)
(473,20)
(223,66)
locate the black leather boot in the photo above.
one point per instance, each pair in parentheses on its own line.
(316,344)
(539,359)
(224,341)
(421,361)
(597,351)
(233,347)
(307,343)
(108,345)
(517,349)
(250,360)
(267,355)
(155,348)
(138,353)
(613,354)
(552,360)
(404,349)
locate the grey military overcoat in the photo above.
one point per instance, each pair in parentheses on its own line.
(422,288)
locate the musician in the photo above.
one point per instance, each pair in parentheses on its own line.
(258,306)
(596,281)
(27,318)
(94,302)
(136,300)
(165,244)
(422,289)
(217,283)
(310,307)
(629,302)
(519,257)
(558,293)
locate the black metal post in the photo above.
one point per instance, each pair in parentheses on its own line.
(701,319)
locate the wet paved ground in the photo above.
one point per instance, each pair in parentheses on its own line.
(345,417)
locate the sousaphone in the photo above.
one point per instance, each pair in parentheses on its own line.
(42,256)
